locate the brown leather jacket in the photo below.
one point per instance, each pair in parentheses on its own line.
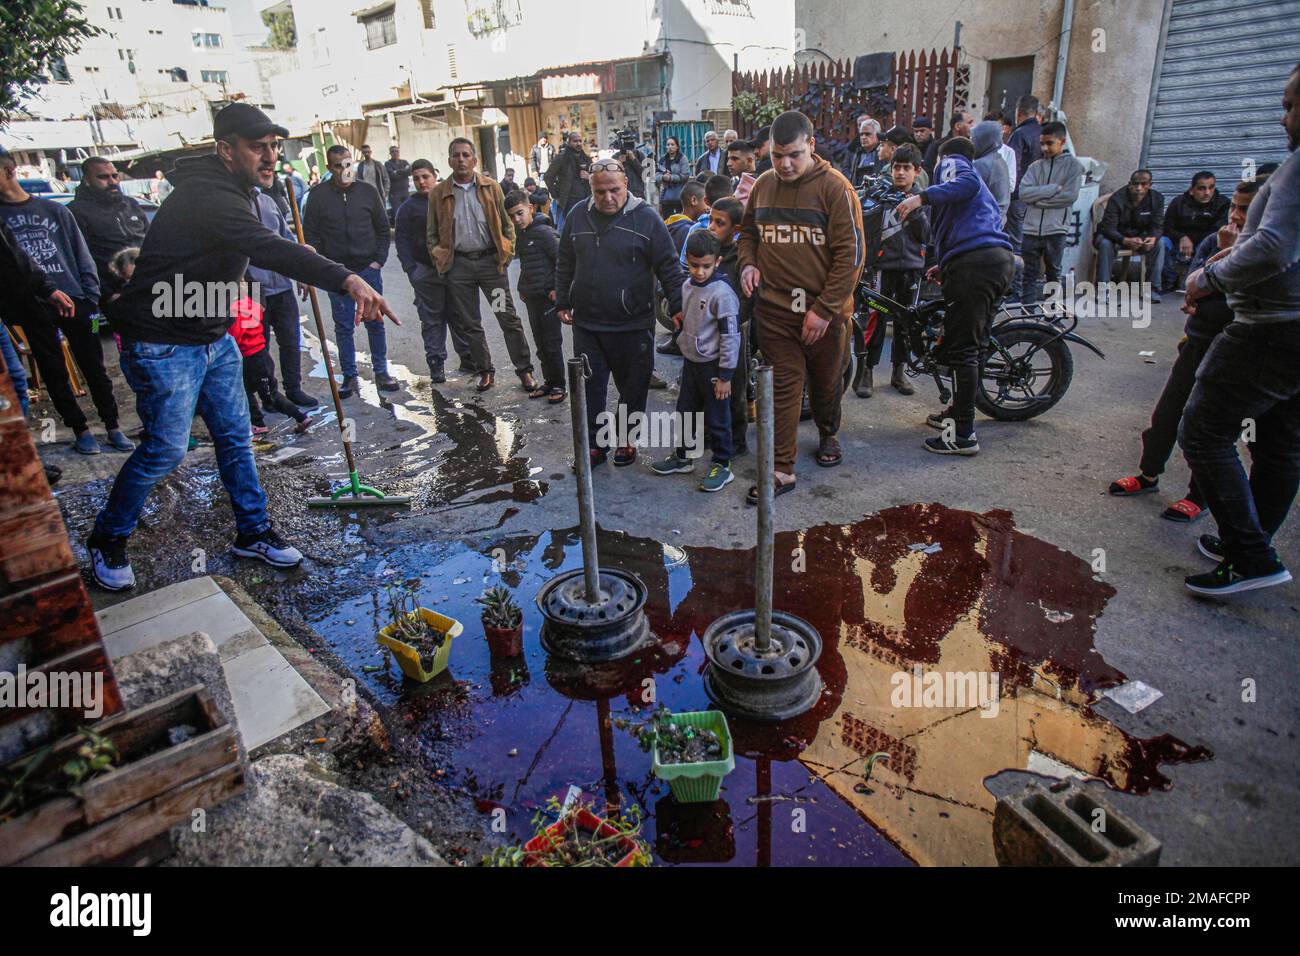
(440,233)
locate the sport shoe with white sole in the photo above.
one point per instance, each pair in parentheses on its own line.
(1210,545)
(1225,579)
(966,447)
(269,547)
(109,566)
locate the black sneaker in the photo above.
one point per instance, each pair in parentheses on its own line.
(1226,579)
(348,387)
(437,371)
(386,383)
(966,447)
(109,566)
(301,398)
(269,547)
(669,346)
(1211,545)
(657,382)
(939,420)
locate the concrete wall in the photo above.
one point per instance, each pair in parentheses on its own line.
(1106,89)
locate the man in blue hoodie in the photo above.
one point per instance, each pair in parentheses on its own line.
(976,265)
(612,249)
(49,234)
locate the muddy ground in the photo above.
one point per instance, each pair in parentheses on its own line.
(1209,768)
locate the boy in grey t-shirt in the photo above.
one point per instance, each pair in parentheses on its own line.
(710,344)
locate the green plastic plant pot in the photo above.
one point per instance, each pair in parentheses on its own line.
(408,658)
(697,782)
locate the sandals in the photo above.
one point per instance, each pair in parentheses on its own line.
(828,452)
(1184,511)
(556,395)
(1132,485)
(751,496)
(539,391)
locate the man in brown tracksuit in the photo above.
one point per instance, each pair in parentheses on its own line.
(471,241)
(801,252)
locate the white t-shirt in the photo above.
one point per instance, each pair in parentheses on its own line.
(1009,157)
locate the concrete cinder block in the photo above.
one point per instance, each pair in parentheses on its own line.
(1067,825)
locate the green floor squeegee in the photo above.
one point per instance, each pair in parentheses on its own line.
(354,494)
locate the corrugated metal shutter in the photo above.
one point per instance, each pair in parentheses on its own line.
(1218,94)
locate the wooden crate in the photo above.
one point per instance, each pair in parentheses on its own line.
(156,785)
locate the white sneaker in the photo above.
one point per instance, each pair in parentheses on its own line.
(109,566)
(269,547)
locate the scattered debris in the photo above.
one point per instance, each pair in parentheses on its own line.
(1133,696)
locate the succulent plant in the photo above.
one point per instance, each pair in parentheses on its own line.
(500,609)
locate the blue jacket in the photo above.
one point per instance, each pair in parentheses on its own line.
(268,210)
(50,235)
(606,273)
(696,226)
(964,215)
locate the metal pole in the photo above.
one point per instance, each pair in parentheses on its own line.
(582,466)
(1063,54)
(766,492)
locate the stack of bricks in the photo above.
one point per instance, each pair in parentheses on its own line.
(47,624)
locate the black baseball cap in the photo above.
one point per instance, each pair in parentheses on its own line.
(246,120)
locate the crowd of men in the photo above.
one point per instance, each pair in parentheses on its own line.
(755,246)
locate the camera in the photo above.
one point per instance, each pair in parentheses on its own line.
(623,140)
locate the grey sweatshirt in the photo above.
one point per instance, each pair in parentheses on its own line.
(987,137)
(710,329)
(1261,276)
(1049,187)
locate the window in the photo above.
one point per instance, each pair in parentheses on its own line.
(210,41)
(214,76)
(59,70)
(92,69)
(179,75)
(451,60)
(430,19)
(381,30)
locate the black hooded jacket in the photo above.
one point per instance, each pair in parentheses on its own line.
(110,222)
(206,232)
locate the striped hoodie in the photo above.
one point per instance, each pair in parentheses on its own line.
(805,237)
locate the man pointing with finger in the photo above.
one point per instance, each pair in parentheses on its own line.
(801,253)
(176,355)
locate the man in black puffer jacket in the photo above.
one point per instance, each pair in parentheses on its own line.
(612,249)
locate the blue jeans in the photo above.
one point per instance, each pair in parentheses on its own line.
(1248,373)
(171,383)
(344,311)
(16,371)
(1175,264)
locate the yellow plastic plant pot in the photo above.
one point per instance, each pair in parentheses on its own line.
(408,658)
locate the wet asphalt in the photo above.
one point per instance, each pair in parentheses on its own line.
(485,467)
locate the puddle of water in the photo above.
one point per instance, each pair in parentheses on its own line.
(992,600)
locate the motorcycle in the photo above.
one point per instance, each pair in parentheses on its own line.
(1028,366)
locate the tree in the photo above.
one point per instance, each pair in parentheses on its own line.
(284,33)
(33,33)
